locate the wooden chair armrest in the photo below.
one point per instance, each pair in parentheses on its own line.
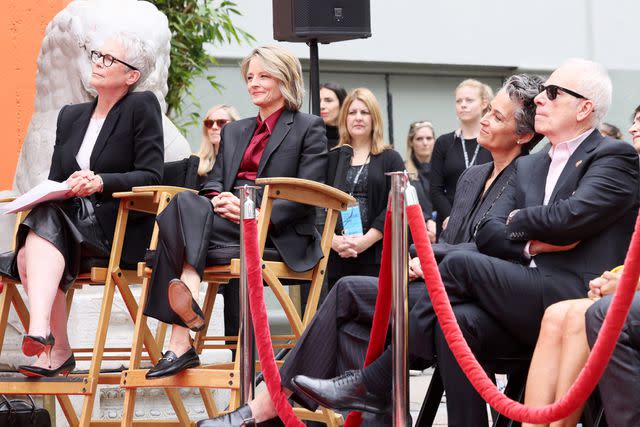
(161,189)
(7,199)
(307,192)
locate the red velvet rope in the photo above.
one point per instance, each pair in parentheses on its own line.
(590,374)
(382,312)
(261,326)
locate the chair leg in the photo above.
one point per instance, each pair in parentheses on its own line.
(431,401)
(515,391)
(207,309)
(142,335)
(5,306)
(209,402)
(98,349)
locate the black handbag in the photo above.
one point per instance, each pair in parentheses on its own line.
(21,413)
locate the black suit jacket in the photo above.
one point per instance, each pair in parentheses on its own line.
(595,201)
(297,148)
(129,150)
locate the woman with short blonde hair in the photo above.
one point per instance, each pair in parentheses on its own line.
(283,66)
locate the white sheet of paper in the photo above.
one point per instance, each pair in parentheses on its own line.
(46,190)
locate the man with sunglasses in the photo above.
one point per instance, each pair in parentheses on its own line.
(567,216)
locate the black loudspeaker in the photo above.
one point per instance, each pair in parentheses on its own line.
(326,21)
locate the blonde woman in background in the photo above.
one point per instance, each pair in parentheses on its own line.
(456,151)
(420,141)
(214,121)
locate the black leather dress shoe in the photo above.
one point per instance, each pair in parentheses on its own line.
(240,417)
(170,364)
(36,371)
(343,393)
(183,304)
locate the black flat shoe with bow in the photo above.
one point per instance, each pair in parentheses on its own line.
(170,364)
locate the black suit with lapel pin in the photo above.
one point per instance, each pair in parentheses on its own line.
(190,231)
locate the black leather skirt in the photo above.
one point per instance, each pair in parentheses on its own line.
(71,226)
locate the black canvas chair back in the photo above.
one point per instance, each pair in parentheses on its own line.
(179,173)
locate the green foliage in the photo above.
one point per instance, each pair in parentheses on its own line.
(196,25)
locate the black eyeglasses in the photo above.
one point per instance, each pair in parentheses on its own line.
(208,123)
(108,60)
(552,92)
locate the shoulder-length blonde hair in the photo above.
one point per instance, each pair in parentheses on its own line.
(284,66)
(413,129)
(377,131)
(207,151)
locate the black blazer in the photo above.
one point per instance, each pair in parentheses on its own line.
(297,148)
(129,150)
(378,187)
(447,164)
(595,201)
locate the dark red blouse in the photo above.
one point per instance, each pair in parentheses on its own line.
(251,158)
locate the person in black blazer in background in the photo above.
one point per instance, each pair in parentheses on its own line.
(456,151)
(420,141)
(361,127)
(108,145)
(280,142)
(332,97)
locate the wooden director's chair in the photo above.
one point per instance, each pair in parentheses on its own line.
(274,271)
(111,275)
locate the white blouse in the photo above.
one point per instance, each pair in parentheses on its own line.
(90,137)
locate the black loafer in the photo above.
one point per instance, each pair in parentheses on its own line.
(240,417)
(182,303)
(344,393)
(170,364)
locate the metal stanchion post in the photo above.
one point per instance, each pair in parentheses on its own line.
(247,359)
(399,314)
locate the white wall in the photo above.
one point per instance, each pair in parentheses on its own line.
(425,47)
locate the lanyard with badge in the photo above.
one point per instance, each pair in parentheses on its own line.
(351,218)
(468,163)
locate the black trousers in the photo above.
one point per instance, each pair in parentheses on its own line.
(190,232)
(620,384)
(338,336)
(488,341)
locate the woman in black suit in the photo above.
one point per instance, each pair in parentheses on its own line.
(194,229)
(357,246)
(456,151)
(108,145)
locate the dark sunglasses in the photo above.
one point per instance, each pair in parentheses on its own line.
(552,92)
(208,123)
(108,60)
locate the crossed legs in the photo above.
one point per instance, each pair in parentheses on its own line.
(41,266)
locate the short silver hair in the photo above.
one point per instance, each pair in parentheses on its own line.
(138,53)
(523,88)
(593,82)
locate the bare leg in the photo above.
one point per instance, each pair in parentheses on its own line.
(180,340)
(262,406)
(575,351)
(545,364)
(44,265)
